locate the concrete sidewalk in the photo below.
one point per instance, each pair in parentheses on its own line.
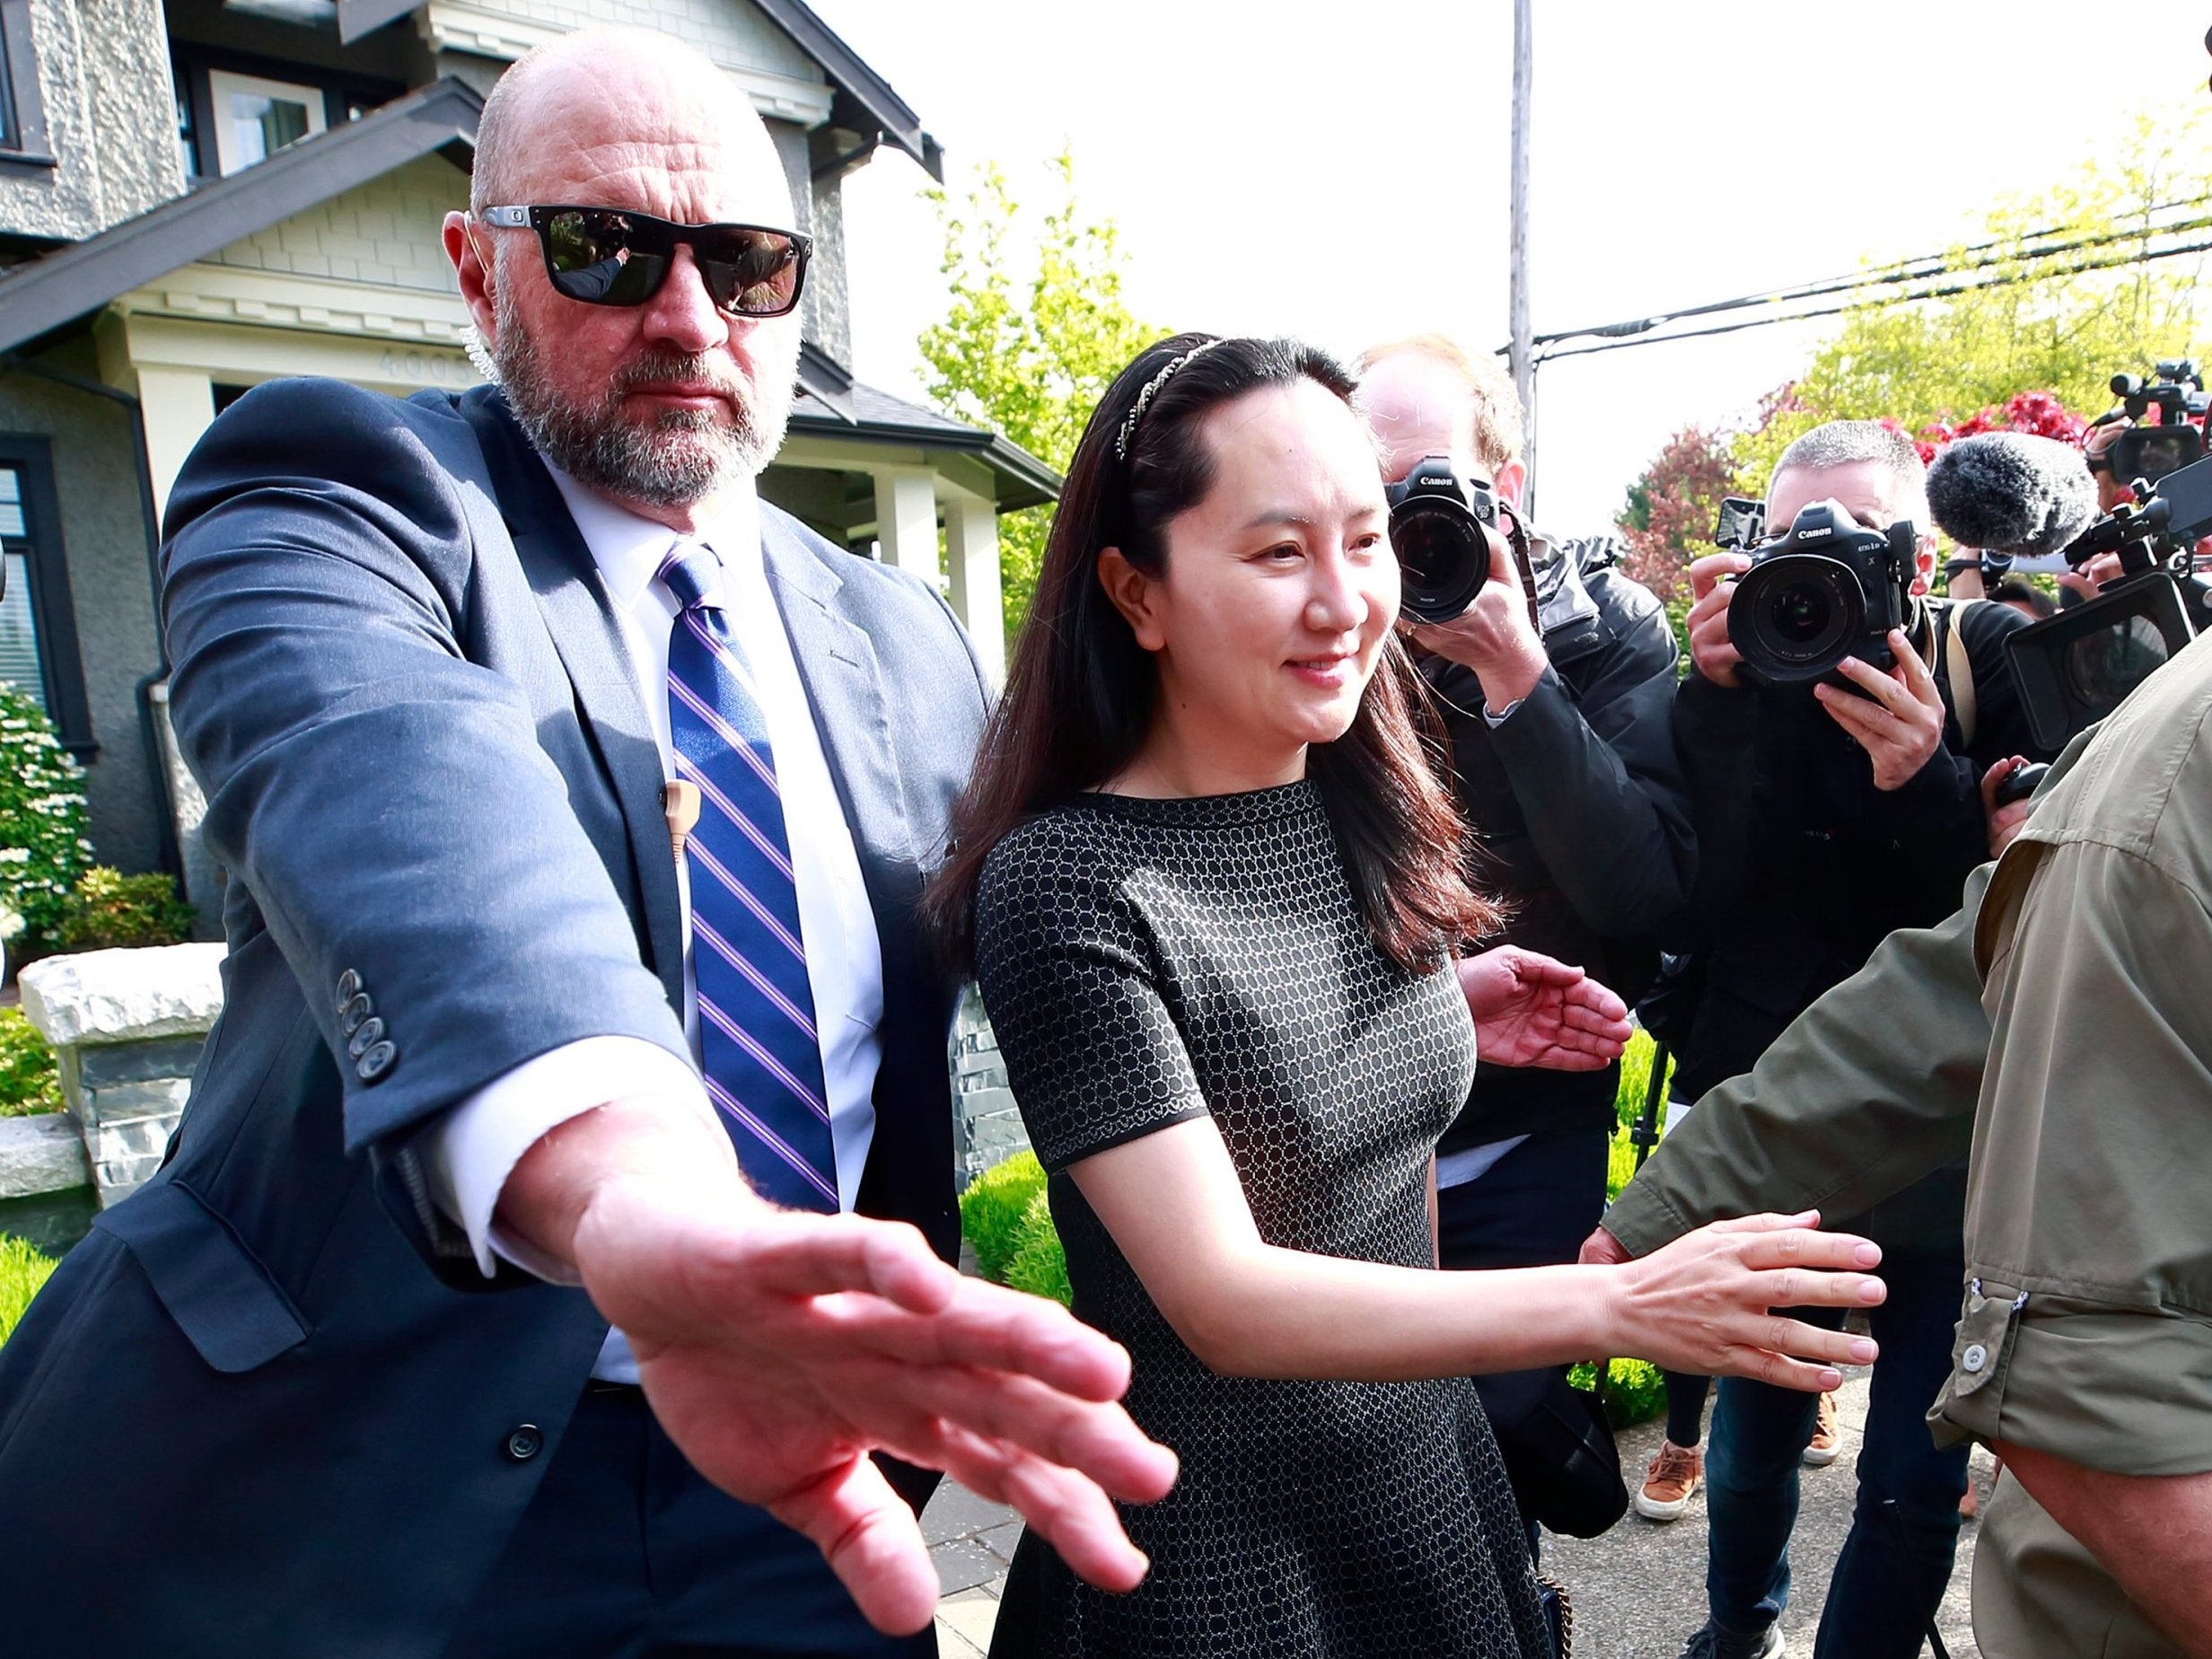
(1638,1591)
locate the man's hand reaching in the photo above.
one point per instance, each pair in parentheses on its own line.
(779,1349)
(1532,1011)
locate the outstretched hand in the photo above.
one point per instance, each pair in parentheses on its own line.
(1531,1010)
(779,1349)
(1704,1304)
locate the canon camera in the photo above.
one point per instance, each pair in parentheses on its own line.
(1827,588)
(1441,525)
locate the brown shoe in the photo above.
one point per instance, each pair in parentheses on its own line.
(1827,1441)
(1674,1473)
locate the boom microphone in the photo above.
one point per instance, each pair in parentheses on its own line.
(2007,492)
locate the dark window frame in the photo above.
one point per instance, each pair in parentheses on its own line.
(22,113)
(341,89)
(53,613)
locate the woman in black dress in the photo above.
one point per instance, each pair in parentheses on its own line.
(1215,896)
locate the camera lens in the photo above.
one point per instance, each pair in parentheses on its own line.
(1794,616)
(1442,559)
(2102,668)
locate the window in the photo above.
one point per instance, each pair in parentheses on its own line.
(38,625)
(256,117)
(22,118)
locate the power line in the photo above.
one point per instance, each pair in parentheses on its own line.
(1617,336)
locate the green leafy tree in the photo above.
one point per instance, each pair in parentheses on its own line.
(1037,330)
(1940,362)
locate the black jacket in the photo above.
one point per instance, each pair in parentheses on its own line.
(1580,812)
(1807,866)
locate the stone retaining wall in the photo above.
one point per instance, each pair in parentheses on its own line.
(126,1028)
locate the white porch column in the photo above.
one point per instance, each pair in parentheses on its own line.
(971,544)
(177,405)
(906,520)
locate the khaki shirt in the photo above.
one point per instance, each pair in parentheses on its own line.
(2087,1324)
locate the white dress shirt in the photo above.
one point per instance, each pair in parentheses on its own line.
(472,1154)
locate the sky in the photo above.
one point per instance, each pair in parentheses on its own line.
(1339,172)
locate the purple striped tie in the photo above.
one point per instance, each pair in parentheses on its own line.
(757,1043)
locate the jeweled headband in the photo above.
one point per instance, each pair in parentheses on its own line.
(1128,434)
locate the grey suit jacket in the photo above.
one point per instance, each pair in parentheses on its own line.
(270,1381)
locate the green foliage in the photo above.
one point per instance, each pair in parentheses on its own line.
(22,1270)
(42,845)
(1040,1264)
(992,1208)
(1037,331)
(2061,329)
(28,1084)
(1668,518)
(1635,1390)
(108,910)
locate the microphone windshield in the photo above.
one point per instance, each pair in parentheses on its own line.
(2008,491)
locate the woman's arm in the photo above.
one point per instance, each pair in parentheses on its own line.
(1174,1206)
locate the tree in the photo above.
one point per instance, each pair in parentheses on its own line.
(1671,510)
(2060,329)
(1037,331)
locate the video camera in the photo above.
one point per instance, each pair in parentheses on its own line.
(2177,391)
(1825,588)
(1441,526)
(2076,667)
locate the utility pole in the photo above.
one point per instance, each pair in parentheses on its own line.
(1523,351)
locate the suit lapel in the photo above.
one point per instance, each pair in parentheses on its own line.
(837,664)
(579,615)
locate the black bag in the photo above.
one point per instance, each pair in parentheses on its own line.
(1559,1451)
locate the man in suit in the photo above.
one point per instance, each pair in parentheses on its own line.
(327,1385)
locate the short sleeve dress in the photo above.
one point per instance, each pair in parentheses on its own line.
(1149,962)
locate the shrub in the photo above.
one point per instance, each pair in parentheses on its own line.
(992,1208)
(107,910)
(28,1081)
(1635,1390)
(1039,1266)
(42,845)
(22,1270)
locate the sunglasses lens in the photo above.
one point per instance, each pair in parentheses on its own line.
(595,258)
(752,273)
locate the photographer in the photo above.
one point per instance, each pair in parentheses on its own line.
(1827,819)
(1566,770)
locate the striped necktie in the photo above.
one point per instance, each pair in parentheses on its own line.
(757,1047)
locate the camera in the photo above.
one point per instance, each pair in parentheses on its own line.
(2076,667)
(1441,525)
(1827,588)
(2177,391)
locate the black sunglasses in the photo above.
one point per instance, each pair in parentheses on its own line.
(615,256)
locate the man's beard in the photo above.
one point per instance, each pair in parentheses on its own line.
(676,458)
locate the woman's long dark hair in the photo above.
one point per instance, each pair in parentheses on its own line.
(1079,691)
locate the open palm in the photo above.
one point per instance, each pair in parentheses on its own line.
(1531,1010)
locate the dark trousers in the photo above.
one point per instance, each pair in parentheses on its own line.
(1532,1208)
(1890,1577)
(626,1552)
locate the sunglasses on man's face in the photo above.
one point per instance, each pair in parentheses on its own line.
(614,256)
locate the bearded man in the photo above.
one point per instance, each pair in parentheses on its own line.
(574,802)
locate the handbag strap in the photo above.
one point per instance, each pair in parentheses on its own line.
(1567,1613)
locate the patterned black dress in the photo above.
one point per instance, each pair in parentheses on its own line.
(1147,961)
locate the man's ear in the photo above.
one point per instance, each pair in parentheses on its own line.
(469,254)
(1512,479)
(1135,596)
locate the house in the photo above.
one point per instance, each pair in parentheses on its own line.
(197,199)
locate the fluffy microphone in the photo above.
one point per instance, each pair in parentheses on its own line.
(2006,492)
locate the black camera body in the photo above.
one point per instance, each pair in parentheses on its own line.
(2176,390)
(1438,525)
(1827,588)
(2076,667)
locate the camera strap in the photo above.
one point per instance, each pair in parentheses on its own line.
(1958,667)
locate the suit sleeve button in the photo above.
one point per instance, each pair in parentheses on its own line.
(525,1441)
(371,1031)
(349,986)
(356,1009)
(375,1062)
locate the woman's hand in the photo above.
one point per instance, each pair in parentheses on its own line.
(1532,1011)
(1704,1304)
